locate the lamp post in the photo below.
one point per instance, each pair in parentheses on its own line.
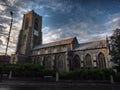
(11,13)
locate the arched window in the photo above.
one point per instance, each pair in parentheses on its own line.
(47,63)
(76,62)
(88,62)
(60,63)
(39,59)
(26,23)
(35,60)
(43,62)
(101,60)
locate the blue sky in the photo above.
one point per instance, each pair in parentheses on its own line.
(88,20)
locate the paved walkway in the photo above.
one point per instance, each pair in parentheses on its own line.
(36,84)
(34,81)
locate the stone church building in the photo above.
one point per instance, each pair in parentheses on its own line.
(65,55)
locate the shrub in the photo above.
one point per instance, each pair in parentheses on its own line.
(91,74)
(117,77)
(27,70)
(22,70)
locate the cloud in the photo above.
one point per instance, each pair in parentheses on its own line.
(3,39)
(1,42)
(113,22)
(2,28)
(46,15)
(2,8)
(79,30)
(61,19)
(18,9)
(49,35)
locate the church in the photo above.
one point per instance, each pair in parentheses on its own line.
(63,55)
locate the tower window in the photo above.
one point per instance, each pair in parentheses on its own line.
(26,23)
(36,24)
(24,40)
(35,40)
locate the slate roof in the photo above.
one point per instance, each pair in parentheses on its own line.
(91,45)
(61,42)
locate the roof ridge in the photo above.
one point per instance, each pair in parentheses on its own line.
(60,42)
(93,41)
(91,45)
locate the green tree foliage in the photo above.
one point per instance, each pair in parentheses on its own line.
(115,46)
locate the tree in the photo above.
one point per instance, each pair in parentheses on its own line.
(115,46)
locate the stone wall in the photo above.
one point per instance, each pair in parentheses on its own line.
(94,56)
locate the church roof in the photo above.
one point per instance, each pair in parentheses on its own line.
(91,45)
(56,43)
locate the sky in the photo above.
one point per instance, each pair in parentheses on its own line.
(88,20)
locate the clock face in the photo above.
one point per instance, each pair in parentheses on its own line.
(35,32)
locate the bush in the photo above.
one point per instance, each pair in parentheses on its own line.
(27,70)
(91,74)
(48,72)
(117,77)
(22,70)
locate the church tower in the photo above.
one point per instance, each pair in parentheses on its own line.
(31,34)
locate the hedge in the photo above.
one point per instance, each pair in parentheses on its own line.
(26,70)
(91,74)
(36,70)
